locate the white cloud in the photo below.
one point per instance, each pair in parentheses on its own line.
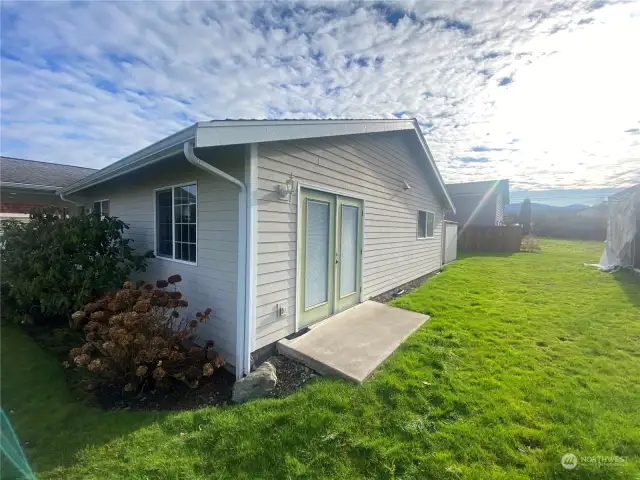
(89,83)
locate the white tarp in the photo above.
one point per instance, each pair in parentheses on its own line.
(621,231)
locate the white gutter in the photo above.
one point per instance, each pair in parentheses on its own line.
(47,188)
(165,148)
(242,299)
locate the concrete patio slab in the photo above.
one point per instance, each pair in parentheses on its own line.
(353,343)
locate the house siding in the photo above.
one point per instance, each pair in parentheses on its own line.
(499,209)
(370,166)
(212,282)
(472,210)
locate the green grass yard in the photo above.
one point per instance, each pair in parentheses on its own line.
(526,357)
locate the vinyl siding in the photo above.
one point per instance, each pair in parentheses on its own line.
(472,210)
(212,282)
(499,209)
(370,166)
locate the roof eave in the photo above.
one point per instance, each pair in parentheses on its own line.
(27,186)
(220,133)
(434,167)
(236,132)
(166,147)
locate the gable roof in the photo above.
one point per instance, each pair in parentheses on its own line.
(237,132)
(35,175)
(480,188)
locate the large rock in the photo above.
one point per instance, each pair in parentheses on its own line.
(257,384)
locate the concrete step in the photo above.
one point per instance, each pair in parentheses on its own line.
(353,343)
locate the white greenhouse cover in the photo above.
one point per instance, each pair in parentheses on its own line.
(621,230)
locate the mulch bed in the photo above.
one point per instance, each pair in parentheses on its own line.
(214,390)
(291,376)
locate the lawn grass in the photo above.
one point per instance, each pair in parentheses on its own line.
(525,358)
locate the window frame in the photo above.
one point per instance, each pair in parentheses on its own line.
(173,223)
(101,201)
(426,225)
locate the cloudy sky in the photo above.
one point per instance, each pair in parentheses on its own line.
(545,93)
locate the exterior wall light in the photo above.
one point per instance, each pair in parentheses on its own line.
(286,191)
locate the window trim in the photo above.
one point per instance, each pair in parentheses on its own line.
(173,223)
(100,202)
(426,225)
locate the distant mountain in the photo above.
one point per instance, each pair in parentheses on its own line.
(563,197)
(541,207)
(576,207)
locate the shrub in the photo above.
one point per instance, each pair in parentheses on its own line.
(136,337)
(8,305)
(53,266)
(530,244)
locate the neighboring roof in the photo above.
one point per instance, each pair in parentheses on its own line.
(480,188)
(237,132)
(21,173)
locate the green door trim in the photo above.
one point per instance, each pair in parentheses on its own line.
(305,316)
(352,298)
(316,312)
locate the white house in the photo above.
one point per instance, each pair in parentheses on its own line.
(278,224)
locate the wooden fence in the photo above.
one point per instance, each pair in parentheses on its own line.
(475,238)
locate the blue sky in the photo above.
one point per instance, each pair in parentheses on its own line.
(544,93)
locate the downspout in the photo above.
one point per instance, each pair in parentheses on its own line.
(443,241)
(62,197)
(241,293)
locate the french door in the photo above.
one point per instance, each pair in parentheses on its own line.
(330,229)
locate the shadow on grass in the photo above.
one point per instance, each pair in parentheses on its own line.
(630,283)
(52,422)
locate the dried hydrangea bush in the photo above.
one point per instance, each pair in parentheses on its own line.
(530,244)
(137,338)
